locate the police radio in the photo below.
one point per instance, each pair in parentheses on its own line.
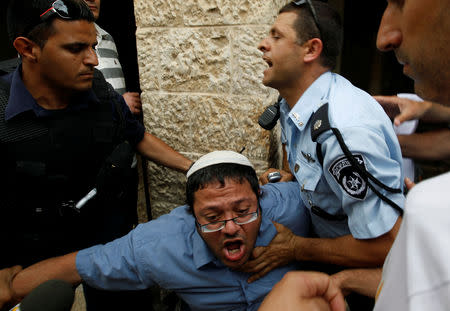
(268,119)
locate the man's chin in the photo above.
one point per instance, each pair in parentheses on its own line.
(234,265)
(266,82)
(83,87)
(237,263)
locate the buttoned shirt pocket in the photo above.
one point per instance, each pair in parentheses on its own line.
(308,176)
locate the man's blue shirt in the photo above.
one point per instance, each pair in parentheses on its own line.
(333,186)
(169,252)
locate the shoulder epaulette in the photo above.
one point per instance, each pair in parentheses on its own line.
(320,122)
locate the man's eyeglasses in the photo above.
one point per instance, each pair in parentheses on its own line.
(313,12)
(59,8)
(219,225)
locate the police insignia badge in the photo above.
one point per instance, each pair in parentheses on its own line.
(348,177)
(317,125)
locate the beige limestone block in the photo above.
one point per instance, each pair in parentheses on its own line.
(228,122)
(168,116)
(167,189)
(195,60)
(247,63)
(176,13)
(157,13)
(228,12)
(149,51)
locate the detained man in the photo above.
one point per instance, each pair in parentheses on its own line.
(197,248)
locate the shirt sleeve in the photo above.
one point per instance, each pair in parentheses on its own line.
(284,205)
(113,266)
(368,215)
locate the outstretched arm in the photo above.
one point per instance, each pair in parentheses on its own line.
(59,268)
(361,281)
(431,145)
(158,151)
(404,109)
(343,251)
(7,296)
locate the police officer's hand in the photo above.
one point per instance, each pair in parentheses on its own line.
(285,176)
(133,101)
(6,293)
(301,290)
(279,252)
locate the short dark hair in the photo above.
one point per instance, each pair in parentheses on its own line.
(219,173)
(23,18)
(331,30)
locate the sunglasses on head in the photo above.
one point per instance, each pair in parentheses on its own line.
(59,8)
(66,10)
(313,12)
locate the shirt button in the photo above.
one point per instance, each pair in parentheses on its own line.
(296,167)
(300,123)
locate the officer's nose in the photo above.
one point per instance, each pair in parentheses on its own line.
(263,46)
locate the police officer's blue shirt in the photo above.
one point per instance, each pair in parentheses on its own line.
(20,101)
(169,252)
(335,187)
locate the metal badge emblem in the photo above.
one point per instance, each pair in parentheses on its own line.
(308,157)
(317,125)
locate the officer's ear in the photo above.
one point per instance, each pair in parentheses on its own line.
(27,49)
(313,50)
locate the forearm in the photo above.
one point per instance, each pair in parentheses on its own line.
(437,113)
(343,251)
(346,250)
(59,268)
(361,281)
(158,151)
(432,145)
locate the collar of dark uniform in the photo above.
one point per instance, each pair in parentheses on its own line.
(203,256)
(20,99)
(310,101)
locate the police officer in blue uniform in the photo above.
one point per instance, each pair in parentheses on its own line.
(339,145)
(64,134)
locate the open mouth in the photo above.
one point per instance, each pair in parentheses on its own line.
(234,250)
(268,61)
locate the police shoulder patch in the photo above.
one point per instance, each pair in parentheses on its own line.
(348,177)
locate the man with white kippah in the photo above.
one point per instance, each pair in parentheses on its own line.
(197,249)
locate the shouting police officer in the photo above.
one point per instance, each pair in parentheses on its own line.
(340,146)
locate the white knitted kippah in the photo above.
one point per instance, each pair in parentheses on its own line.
(218,157)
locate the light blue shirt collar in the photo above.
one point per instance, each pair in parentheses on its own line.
(307,103)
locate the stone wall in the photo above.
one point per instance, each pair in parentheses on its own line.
(200,74)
